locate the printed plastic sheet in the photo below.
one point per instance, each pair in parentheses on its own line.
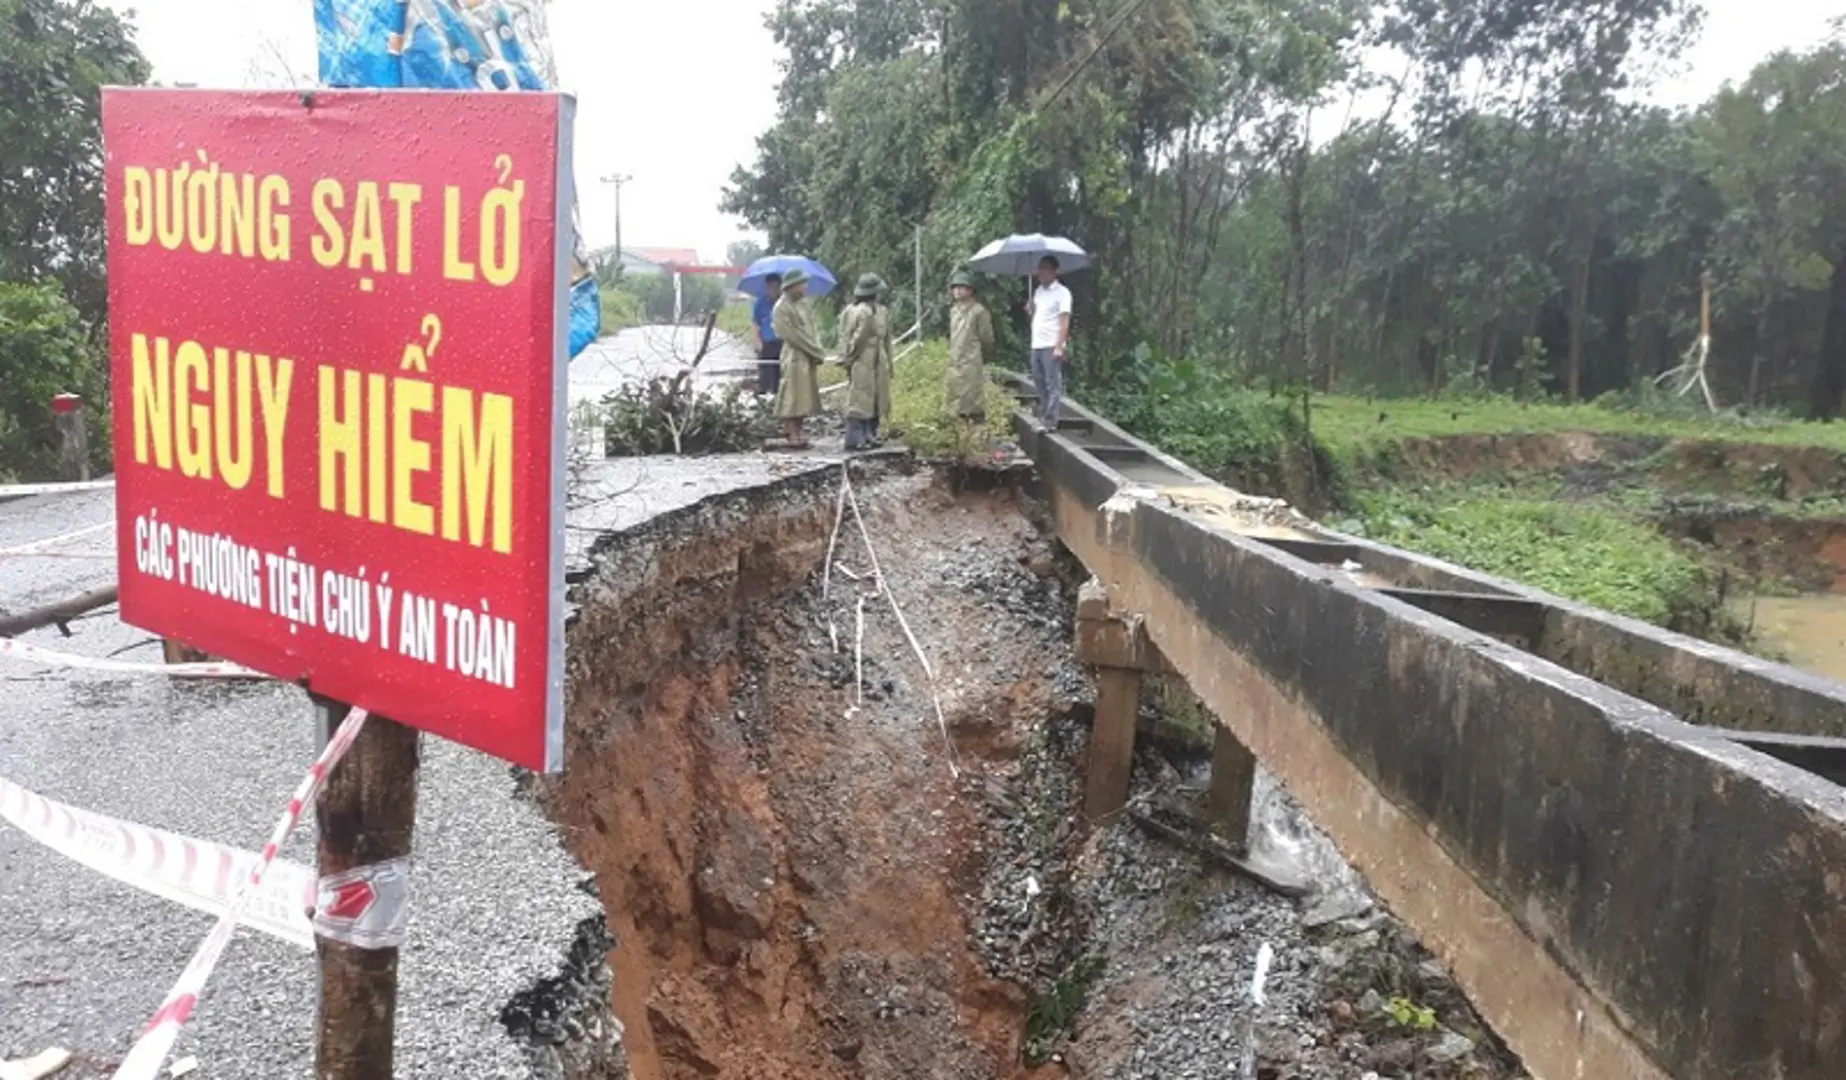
(494,45)
(434,44)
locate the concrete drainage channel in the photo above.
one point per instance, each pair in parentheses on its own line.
(805,873)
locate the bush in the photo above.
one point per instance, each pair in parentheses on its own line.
(665,415)
(920,412)
(621,309)
(1196,412)
(44,351)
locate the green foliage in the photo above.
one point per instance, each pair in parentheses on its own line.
(621,308)
(665,415)
(1586,553)
(1404,1013)
(1050,1014)
(55,56)
(1515,222)
(699,295)
(919,408)
(44,351)
(735,319)
(1362,433)
(1197,412)
(743,252)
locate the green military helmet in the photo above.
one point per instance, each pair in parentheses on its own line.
(962,278)
(795,277)
(868,287)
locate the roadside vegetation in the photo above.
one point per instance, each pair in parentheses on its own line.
(56,57)
(920,414)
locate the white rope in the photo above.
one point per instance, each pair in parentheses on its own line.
(38,547)
(858,655)
(884,585)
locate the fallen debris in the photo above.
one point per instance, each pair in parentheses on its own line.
(1199,841)
(59,614)
(37,1067)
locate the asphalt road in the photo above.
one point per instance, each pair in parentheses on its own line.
(643,352)
(85,961)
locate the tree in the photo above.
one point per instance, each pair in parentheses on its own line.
(743,252)
(1516,217)
(44,351)
(55,55)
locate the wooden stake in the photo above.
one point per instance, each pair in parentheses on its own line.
(366,814)
(1705,304)
(73,438)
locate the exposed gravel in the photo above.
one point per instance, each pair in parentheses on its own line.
(1160,950)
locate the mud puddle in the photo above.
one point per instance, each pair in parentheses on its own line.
(1808,631)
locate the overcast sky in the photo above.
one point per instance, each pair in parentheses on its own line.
(674,93)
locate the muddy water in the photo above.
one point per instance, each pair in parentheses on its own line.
(1809,631)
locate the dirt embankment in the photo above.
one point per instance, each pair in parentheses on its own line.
(1791,552)
(788,867)
(1716,467)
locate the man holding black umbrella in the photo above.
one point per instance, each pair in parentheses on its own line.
(1050,315)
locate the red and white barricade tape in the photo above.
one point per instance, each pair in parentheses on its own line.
(156,1042)
(46,546)
(20,491)
(196,873)
(210,669)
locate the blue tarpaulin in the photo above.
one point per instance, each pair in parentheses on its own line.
(449,45)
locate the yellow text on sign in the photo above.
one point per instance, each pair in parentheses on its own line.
(376,454)
(404,452)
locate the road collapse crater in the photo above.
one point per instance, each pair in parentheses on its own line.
(805,873)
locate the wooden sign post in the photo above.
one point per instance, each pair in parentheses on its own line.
(367,813)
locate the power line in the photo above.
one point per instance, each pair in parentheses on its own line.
(1102,43)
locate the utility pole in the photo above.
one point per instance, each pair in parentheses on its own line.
(617,180)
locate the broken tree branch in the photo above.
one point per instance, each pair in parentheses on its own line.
(59,614)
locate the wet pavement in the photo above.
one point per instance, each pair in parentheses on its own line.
(644,352)
(84,960)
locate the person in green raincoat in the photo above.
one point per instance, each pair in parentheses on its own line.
(884,360)
(799,395)
(971,345)
(861,353)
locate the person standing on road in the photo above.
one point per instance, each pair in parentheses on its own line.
(885,361)
(798,395)
(971,345)
(768,345)
(1050,315)
(861,353)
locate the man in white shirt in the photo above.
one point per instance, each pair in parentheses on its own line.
(1050,313)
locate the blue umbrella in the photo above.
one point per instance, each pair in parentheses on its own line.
(820,279)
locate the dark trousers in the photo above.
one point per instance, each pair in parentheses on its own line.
(769,368)
(860,433)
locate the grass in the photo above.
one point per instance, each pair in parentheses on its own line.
(919,407)
(1050,1014)
(1354,427)
(1593,554)
(734,318)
